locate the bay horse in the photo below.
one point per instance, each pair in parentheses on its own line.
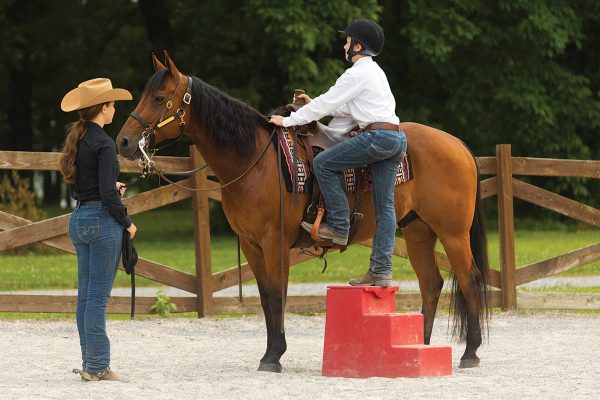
(442,200)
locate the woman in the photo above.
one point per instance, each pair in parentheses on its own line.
(361,96)
(89,165)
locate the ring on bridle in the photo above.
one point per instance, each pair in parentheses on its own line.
(147,148)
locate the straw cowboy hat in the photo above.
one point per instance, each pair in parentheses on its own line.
(92,92)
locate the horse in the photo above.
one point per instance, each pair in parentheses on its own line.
(442,201)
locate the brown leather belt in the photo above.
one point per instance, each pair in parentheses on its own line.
(382,125)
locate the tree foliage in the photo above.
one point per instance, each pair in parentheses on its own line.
(523,72)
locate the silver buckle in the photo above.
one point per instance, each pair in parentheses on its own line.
(187,98)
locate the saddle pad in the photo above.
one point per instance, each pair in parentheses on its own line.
(304,182)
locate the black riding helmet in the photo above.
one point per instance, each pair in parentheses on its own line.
(368,34)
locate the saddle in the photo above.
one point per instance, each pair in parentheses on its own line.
(314,212)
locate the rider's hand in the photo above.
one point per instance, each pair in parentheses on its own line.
(121,187)
(132,230)
(304,97)
(277,120)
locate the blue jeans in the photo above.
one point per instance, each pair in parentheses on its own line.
(382,151)
(97,237)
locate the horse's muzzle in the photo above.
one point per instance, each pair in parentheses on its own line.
(128,148)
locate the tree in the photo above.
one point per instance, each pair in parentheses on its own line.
(519,72)
(502,71)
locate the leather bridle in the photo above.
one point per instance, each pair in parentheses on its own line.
(146,144)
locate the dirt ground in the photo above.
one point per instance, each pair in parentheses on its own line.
(528,356)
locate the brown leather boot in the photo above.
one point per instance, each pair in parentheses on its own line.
(106,375)
(370,280)
(326,233)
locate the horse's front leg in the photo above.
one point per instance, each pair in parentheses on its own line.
(256,261)
(276,343)
(273,295)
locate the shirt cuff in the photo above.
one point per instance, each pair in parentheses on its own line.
(287,122)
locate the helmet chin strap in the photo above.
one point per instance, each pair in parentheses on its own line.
(351,53)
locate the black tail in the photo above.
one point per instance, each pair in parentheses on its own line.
(478,241)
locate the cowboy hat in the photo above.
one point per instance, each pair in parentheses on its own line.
(92,92)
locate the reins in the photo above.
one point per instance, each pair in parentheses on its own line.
(162,173)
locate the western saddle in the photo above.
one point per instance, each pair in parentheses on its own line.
(315,211)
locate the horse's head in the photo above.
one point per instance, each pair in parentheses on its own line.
(161,112)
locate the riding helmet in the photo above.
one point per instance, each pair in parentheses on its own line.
(368,33)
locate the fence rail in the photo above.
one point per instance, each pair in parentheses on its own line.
(16,231)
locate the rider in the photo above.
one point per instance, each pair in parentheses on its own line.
(362,96)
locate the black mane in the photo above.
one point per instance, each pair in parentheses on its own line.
(230,123)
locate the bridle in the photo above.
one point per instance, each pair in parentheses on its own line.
(146,143)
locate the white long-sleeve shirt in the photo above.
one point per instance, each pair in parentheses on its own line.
(361,95)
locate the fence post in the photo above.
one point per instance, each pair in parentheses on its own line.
(201,237)
(506,227)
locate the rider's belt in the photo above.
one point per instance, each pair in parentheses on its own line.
(382,125)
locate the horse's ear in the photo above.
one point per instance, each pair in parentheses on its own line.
(171,66)
(157,64)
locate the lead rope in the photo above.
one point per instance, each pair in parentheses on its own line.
(281,233)
(132,313)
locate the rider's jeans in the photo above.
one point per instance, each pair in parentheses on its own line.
(97,237)
(382,150)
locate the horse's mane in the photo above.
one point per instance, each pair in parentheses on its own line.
(230,123)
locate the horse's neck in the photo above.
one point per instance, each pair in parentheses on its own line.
(225,163)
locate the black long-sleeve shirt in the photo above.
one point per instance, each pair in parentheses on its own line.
(97,172)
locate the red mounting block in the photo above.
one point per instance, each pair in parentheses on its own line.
(364,337)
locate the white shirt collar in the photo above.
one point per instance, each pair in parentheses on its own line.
(363,60)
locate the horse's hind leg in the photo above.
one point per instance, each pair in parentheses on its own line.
(467,297)
(420,244)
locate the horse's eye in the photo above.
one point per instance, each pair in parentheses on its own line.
(159,99)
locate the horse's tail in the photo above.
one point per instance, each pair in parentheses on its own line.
(479,276)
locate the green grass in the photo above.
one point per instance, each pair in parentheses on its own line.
(166,236)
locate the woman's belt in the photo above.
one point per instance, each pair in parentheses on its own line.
(90,203)
(382,125)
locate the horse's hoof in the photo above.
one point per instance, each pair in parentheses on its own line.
(469,363)
(270,367)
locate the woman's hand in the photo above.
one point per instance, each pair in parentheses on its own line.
(132,230)
(121,187)
(277,120)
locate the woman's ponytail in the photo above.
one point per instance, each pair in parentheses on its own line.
(68,167)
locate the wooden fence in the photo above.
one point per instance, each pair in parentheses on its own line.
(52,232)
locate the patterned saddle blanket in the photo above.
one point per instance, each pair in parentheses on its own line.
(305,176)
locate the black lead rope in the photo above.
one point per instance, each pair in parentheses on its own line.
(132,314)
